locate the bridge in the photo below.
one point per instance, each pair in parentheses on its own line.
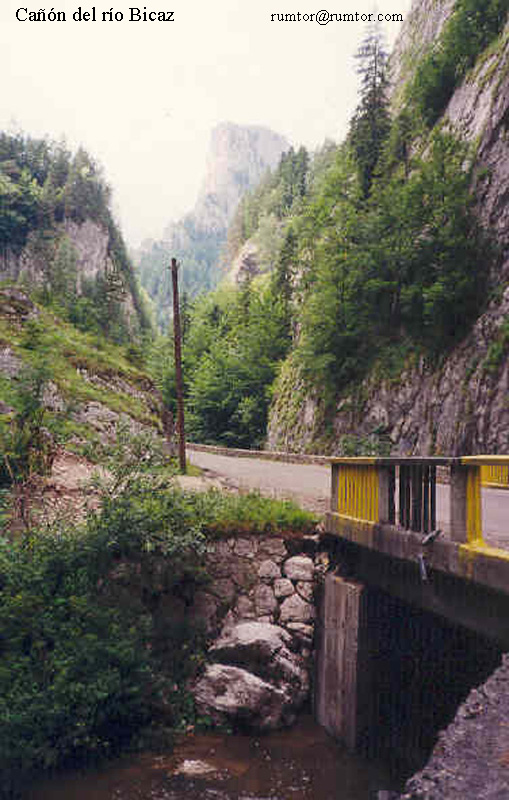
(414,611)
(397,531)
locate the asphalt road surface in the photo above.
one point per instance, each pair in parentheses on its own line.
(309,485)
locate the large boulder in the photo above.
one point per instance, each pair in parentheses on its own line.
(251,642)
(278,677)
(235,696)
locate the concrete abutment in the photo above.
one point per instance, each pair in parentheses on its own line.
(389,675)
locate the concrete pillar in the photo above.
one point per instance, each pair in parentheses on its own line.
(458,502)
(341,700)
(384,509)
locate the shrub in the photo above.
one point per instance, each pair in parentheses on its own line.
(77,676)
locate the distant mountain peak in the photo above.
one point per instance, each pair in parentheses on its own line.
(239,156)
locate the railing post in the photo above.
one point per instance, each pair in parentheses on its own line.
(386,494)
(458,502)
(466,514)
(334,490)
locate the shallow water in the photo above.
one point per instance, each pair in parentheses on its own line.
(302,763)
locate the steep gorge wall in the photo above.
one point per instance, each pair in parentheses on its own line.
(461,406)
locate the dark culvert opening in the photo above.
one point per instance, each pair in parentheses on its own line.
(420,669)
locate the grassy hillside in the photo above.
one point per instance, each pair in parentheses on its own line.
(84,382)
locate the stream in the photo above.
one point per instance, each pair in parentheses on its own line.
(301,763)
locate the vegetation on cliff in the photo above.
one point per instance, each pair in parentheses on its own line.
(43,186)
(472,27)
(98,638)
(375,254)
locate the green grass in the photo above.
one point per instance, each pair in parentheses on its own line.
(224,514)
(69,357)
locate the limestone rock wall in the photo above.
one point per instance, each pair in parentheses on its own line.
(461,406)
(265,579)
(90,246)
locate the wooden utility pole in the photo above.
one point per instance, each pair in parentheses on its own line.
(178,368)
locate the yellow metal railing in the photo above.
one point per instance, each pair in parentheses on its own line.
(496,475)
(357,489)
(402,492)
(474,509)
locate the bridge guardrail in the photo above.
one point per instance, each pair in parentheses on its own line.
(495,476)
(402,492)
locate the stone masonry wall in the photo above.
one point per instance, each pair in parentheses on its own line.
(259,611)
(263,579)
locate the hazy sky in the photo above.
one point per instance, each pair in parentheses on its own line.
(142,97)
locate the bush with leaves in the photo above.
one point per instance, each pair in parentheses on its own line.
(77,672)
(410,264)
(27,446)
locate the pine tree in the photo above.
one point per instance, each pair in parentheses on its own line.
(371,122)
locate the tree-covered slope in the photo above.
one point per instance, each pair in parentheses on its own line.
(72,318)
(402,342)
(386,259)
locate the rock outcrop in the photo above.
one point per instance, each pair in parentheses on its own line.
(471,757)
(239,157)
(259,681)
(87,243)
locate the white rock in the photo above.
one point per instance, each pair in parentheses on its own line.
(295,609)
(274,549)
(299,568)
(265,601)
(245,548)
(244,608)
(231,694)
(305,589)
(269,570)
(283,587)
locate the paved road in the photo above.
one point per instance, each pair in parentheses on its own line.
(309,484)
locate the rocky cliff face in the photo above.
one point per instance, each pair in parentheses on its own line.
(460,407)
(239,156)
(87,245)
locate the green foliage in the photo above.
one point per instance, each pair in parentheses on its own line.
(375,444)
(43,184)
(82,368)
(234,342)
(78,674)
(88,657)
(251,513)
(473,25)
(408,265)
(277,196)
(199,254)
(26,444)
(370,125)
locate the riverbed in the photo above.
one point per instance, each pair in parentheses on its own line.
(301,763)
